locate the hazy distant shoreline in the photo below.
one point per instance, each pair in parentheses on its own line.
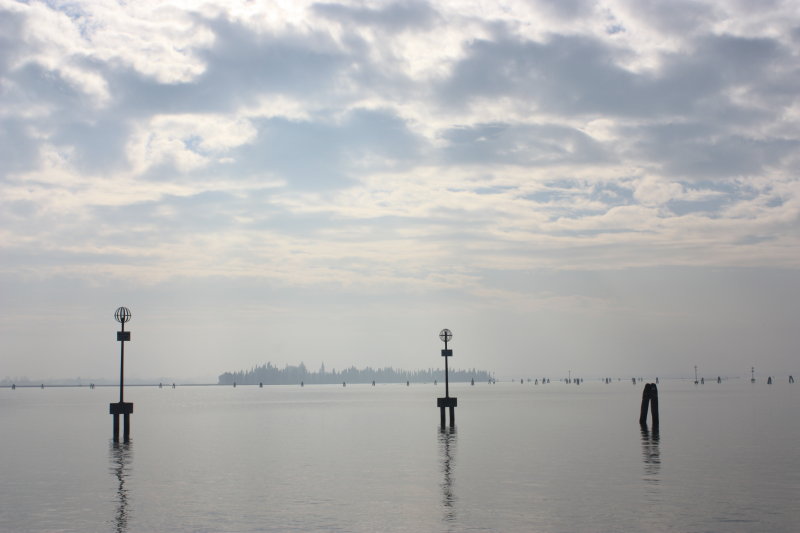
(272,375)
(457,376)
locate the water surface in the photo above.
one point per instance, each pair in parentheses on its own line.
(547,458)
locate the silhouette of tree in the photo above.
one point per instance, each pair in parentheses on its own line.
(271,375)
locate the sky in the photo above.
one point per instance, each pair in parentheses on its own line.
(607,188)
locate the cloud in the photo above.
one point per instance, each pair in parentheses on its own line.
(243,63)
(188,142)
(412,151)
(330,152)
(17,147)
(677,18)
(567,10)
(522,144)
(566,74)
(394,17)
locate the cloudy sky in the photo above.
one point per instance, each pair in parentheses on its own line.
(605,187)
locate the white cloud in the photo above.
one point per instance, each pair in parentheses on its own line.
(652,191)
(188,141)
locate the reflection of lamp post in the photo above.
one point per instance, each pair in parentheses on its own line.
(447,439)
(445,335)
(121,457)
(122,315)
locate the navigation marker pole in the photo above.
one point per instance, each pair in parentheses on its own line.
(445,335)
(122,315)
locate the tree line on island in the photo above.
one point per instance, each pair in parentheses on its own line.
(289,375)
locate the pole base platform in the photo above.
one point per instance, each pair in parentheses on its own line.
(120,408)
(446,402)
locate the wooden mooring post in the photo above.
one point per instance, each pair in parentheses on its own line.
(446,402)
(649,399)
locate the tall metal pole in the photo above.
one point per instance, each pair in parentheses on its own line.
(446,378)
(122,315)
(446,402)
(121,362)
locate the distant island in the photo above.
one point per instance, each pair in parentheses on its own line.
(272,375)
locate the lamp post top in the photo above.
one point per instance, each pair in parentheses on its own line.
(122,315)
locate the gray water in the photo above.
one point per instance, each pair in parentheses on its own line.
(549,458)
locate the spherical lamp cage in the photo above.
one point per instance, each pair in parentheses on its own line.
(445,335)
(122,315)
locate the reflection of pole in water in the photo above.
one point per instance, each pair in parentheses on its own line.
(121,455)
(447,442)
(651,454)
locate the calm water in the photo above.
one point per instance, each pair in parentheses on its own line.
(326,458)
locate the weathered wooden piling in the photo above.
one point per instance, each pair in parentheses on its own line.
(645,404)
(654,404)
(649,399)
(446,402)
